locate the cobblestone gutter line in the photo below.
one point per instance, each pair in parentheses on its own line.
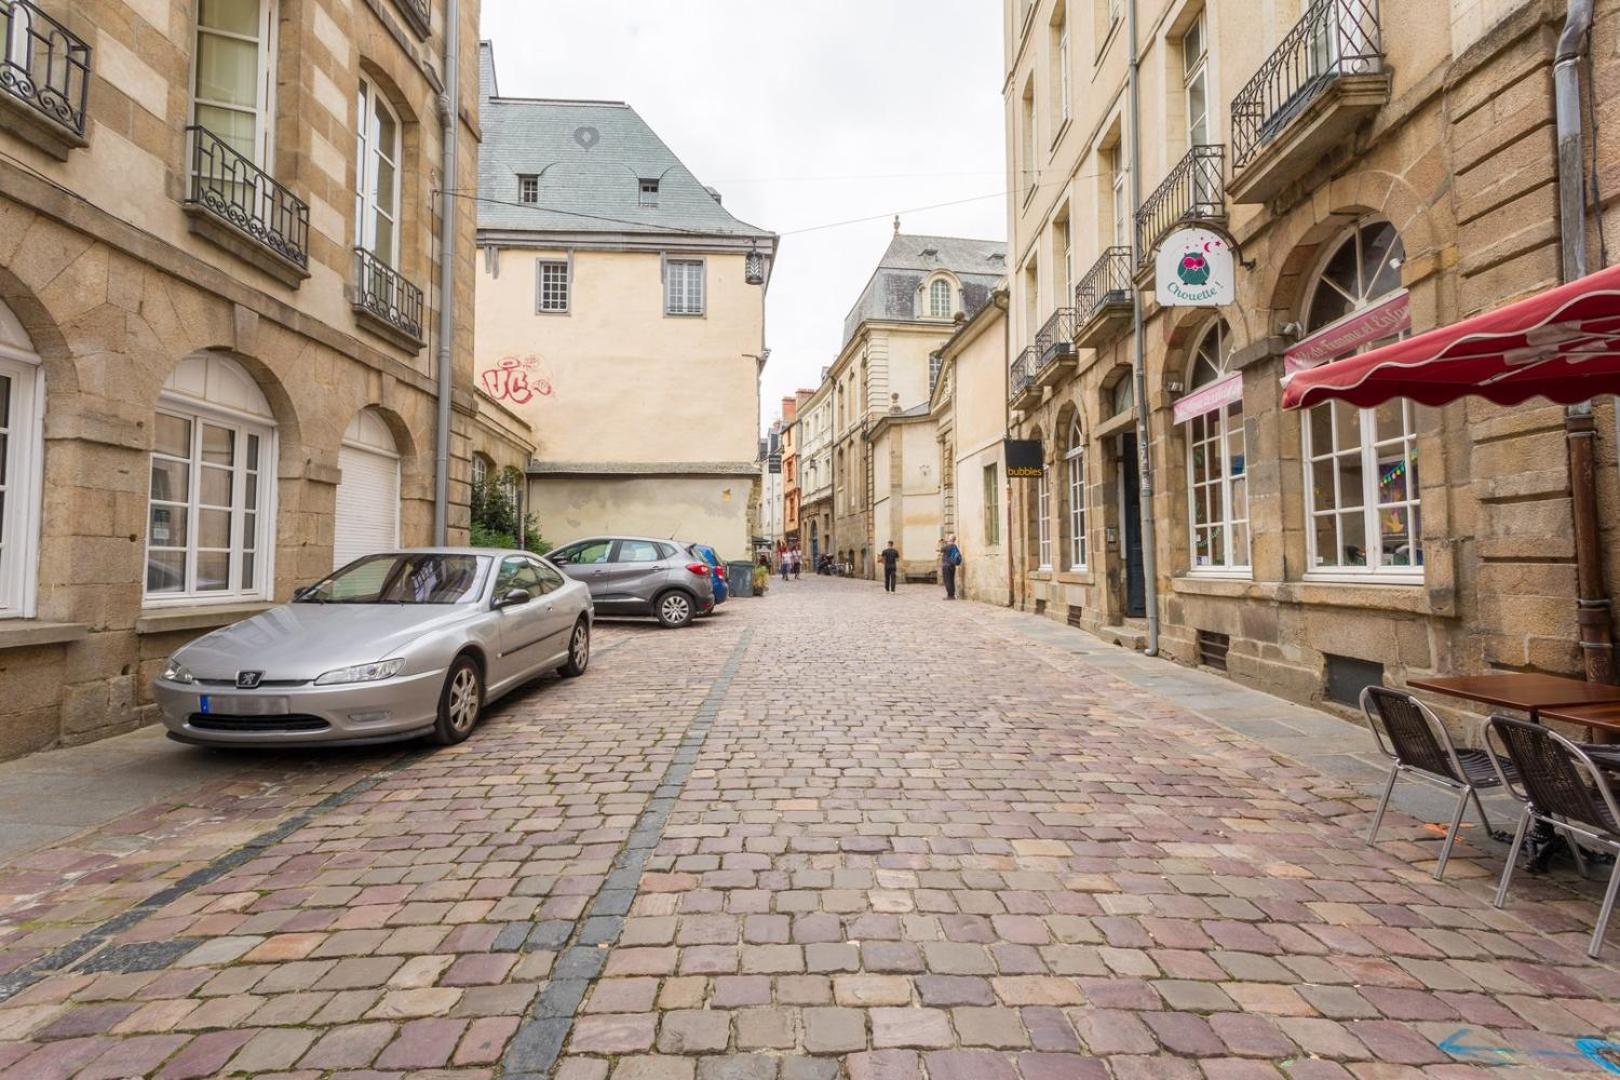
(152,955)
(585,945)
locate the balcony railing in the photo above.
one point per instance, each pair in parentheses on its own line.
(1055,338)
(1334,38)
(1195,190)
(1021,376)
(239,193)
(380,290)
(419,13)
(44,66)
(1107,282)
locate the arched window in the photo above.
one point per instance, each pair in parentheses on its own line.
(376,189)
(939,299)
(209,524)
(481,466)
(1123,395)
(1361,465)
(1074,467)
(1217,461)
(22,401)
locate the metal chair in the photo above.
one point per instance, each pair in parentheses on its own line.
(1420,745)
(1564,789)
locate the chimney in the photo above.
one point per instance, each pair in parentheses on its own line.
(715,195)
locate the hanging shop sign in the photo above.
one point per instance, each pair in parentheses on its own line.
(1194,269)
(1217,395)
(1023,457)
(1389,318)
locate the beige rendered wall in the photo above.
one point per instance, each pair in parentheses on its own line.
(701,509)
(980,423)
(615,379)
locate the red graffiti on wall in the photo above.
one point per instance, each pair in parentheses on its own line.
(515,379)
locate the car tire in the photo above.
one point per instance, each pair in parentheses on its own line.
(461,702)
(579,650)
(674,609)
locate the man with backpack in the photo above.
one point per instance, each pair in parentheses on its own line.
(950,557)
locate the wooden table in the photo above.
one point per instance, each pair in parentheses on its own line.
(1603,718)
(1526,693)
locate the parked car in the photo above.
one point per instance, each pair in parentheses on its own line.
(639,575)
(722,588)
(391,646)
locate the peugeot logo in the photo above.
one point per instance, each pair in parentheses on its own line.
(248,680)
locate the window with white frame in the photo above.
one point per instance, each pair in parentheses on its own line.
(1195,81)
(939,299)
(552,283)
(1043,518)
(1074,467)
(22,397)
(376,189)
(683,287)
(210,508)
(1027,139)
(233,91)
(647,193)
(1217,465)
(528,188)
(1065,244)
(1062,80)
(992,505)
(1121,200)
(1361,480)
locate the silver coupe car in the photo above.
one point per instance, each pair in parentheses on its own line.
(391,646)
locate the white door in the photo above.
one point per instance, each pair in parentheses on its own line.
(368,495)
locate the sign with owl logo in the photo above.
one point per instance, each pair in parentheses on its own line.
(1194,269)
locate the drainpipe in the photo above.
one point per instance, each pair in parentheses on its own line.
(1002,298)
(450,116)
(1144,455)
(1580,426)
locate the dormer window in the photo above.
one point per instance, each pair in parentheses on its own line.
(648,194)
(939,299)
(528,189)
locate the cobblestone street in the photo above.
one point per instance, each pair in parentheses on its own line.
(830,833)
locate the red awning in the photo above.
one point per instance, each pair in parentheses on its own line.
(1563,345)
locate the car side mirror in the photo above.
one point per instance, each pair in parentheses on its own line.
(513,598)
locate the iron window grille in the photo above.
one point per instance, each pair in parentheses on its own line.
(1334,38)
(44,66)
(1107,282)
(1195,190)
(239,193)
(381,290)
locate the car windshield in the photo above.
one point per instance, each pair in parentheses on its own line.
(419,578)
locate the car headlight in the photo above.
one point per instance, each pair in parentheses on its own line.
(175,671)
(385,669)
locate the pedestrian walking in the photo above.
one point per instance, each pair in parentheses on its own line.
(798,563)
(950,557)
(785,564)
(891,565)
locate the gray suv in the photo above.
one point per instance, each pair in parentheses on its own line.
(640,575)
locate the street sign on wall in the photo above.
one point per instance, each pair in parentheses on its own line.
(1194,269)
(1023,457)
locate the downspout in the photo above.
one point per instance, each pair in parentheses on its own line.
(1002,298)
(1144,455)
(1580,426)
(450,116)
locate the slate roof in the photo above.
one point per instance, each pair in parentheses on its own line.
(590,157)
(891,293)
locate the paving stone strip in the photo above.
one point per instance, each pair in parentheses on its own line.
(85,954)
(585,941)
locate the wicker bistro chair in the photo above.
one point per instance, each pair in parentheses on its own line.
(1563,788)
(1419,744)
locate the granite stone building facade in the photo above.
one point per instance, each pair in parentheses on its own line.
(1377,169)
(218,323)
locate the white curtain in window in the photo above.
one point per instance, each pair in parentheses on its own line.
(233,83)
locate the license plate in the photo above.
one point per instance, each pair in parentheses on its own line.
(229,705)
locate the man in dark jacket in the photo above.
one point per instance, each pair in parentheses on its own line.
(891,565)
(950,557)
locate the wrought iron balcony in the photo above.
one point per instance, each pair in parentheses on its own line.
(227,187)
(1054,346)
(1021,376)
(1327,75)
(383,294)
(1195,190)
(45,68)
(1102,300)
(419,13)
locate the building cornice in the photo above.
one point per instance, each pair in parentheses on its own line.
(704,243)
(643,468)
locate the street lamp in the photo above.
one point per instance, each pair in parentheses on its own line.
(754,266)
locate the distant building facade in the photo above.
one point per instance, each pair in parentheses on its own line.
(769,527)
(816,472)
(616,315)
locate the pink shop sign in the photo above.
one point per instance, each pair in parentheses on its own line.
(1217,395)
(1389,318)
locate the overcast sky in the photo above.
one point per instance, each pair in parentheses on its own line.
(802,114)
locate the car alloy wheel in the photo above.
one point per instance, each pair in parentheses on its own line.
(464,699)
(579,651)
(675,609)
(460,702)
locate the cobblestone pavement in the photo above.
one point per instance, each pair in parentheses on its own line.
(830,833)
